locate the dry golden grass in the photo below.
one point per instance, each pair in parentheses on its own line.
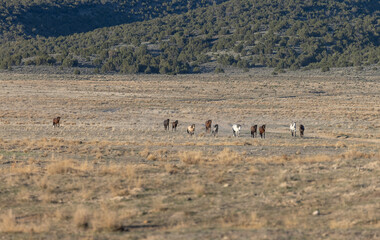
(106,220)
(9,224)
(82,217)
(246,221)
(229,157)
(341,224)
(198,189)
(145,153)
(151,157)
(340,145)
(171,168)
(158,205)
(354,154)
(62,167)
(111,171)
(351,155)
(103,219)
(294,159)
(191,157)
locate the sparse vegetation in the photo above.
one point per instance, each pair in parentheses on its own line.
(111,171)
(173,37)
(191,157)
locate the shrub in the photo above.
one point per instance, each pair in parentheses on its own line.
(219,70)
(325,69)
(191,157)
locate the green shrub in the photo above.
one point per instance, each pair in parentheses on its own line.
(325,69)
(219,70)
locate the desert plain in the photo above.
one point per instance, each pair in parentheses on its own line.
(111,171)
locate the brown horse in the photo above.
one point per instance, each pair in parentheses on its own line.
(166,124)
(208,125)
(174,125)
(302,129)
(262,131)
(254,131)
(56,122)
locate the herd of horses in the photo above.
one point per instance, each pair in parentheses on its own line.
(214,130)
(235,128)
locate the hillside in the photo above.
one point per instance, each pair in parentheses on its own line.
(182,36)
(53,18)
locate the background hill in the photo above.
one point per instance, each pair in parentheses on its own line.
(181,36)
(53,18)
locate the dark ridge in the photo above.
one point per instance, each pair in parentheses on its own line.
(189,36)
(53,19)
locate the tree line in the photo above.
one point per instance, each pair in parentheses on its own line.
(243,33)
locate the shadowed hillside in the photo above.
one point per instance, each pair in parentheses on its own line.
(56,17)
(184,37)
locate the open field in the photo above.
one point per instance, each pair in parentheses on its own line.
(112,172)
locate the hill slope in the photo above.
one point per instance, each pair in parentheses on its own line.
(275,33)
(53,18)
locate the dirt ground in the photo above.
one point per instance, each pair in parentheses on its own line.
(111,171)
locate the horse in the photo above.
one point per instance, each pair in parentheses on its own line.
(166,124)
(236,130)
(253,131)
(56,122)
(302,130)
(208,125)
(174,125)
(293,129)
(262,131)
(191,129)
(215,130)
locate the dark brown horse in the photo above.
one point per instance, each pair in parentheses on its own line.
(56,122)
(208,125)
(302,130)
(254,131)
(262,131)
(166,124)
(174,125)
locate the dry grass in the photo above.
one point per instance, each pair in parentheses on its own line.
(102,219)
(158,205)
(145,153)
(171,168)
(294,159)
(191,157)
(246,221)
(62,167)
(198,189)
(354,154)
(341,224)
(9,224)
(106,222)
(22,169)
(229,157)
(350,155)
(112,172)
(82,217)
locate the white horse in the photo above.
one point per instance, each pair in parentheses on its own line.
(236,129)
(191,129)
(215,130)
(293,129)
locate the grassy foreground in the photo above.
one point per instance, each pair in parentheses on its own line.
(112,172)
